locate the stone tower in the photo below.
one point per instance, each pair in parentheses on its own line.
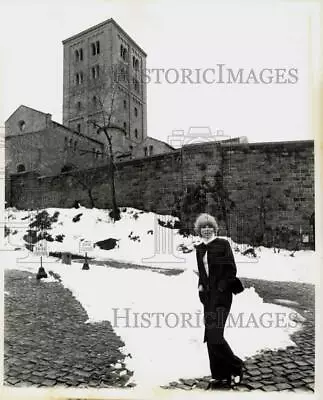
(100,64)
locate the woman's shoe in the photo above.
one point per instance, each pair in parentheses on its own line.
(228,381)
(217,384)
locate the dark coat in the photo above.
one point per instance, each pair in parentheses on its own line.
(218,286)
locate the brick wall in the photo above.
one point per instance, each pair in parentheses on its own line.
(270,184)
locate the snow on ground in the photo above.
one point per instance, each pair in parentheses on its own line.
(170,347)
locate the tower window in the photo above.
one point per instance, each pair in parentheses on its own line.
(136,133)
(135,84)
(95,72)
(78,78)
(136,112)
(124,104)
(135,63)
(78,55)
(123,53)
(95,48)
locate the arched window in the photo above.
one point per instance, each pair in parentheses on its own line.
(136,133)
(77,56)
(22,125)
(95,71)
(135,84)
(121,50)
(151,148)
(124,104)
(79,78)
(65,143)
(70,143)
(93,49)
(94,101)
(21,168)
(78,105)
(75,144)
(145,150)
(136,112)
(125,127)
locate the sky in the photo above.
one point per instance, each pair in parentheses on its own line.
(175,35)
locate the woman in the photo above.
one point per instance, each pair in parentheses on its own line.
(217,282)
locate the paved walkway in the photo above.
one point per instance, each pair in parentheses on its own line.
(48,343)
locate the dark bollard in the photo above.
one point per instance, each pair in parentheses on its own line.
(41,271)
(86,264)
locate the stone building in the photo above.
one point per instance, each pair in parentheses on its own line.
(102,86)
(100,64)
(34,142)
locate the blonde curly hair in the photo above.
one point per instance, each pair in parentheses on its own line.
(205,219)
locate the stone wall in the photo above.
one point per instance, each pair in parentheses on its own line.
(270,186)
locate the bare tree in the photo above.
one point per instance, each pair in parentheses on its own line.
(86,178)
(106,91)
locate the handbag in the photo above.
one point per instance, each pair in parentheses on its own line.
(236,285)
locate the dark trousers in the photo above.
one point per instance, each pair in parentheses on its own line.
(223,362)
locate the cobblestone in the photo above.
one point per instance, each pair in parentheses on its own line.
(44,323)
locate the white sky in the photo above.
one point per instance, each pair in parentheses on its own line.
(174,34)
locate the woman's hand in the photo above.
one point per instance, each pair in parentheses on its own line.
(202,294)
